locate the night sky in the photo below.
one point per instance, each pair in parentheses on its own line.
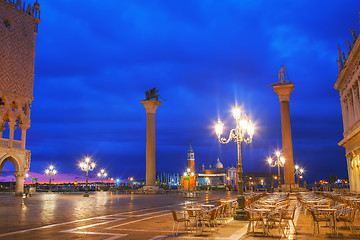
(95,59)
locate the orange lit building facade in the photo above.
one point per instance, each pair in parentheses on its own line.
(188,180)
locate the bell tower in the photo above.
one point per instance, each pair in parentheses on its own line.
(18,30)
(191,159)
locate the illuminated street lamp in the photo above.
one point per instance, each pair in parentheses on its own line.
(228,181)
(50,172)
(130,179)
(277,163)
(87,166)
(298,173)
(102,174)
(243,132)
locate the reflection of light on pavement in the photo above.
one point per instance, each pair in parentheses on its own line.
(101,200)
(48,207)
(24,210)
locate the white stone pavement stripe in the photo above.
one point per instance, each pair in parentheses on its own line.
(139,220)
(239,233)
(158,237)
(81,220)
(92,225)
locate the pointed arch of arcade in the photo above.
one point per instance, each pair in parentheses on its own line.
(19,173)
(11,158)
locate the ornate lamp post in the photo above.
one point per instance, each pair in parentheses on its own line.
(50,172)
(278,163)
(298,172)
(243,132)
(102,174)
(87,166)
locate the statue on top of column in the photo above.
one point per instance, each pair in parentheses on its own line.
(339,60)
(281,77)
(152,93)
(282,73)
(348,46)
(353,35)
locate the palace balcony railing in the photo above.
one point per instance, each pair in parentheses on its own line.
(5,143)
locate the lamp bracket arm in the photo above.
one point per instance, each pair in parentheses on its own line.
(232,135)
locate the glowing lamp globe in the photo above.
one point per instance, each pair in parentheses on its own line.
(244,124)
(251,129)
(236,112)
(219,127)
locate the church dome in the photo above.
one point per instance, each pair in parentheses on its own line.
(219,165)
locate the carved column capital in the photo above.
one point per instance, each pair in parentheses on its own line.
(24,126)
(20,174)
(12,124)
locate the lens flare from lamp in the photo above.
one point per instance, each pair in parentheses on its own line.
(301,170)
(269,160)
(277,153)
(236,112)
(251,129)
(244,124)
(296,167)
(219,127)
(282,159)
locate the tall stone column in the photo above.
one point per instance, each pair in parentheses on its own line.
(150,107)
(24,128)
(19,189)
(283,91)
(355,95)
(345,114)
(2,128)
(12,127)
(350,172)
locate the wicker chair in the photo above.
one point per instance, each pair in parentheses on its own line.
(288,215)
(178,221)
(210,218)
(319,216)
(275,217)
(347,215)
(253,218)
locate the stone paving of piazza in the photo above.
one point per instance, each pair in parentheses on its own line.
(126,216)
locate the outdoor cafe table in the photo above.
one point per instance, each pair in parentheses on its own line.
(263,212)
